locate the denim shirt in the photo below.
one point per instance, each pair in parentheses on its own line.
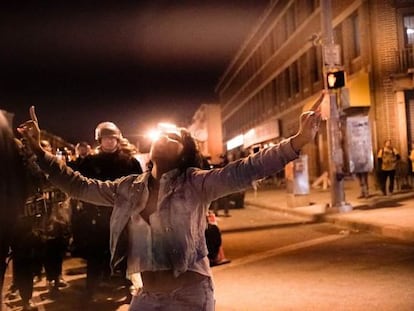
(174,238)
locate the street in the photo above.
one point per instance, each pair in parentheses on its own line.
(289,265)
(304,109)
(315,267)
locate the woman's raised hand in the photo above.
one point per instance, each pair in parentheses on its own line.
(30,131)
(309,125)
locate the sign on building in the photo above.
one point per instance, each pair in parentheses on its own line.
(359,144)
(266,131)
(332,55)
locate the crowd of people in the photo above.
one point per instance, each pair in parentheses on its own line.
(146,231)
(144,228)
(51,223)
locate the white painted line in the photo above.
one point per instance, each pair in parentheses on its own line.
(39,303)
(277,251)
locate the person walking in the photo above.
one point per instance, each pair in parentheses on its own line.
(388,157)
(158,221)
(363,184)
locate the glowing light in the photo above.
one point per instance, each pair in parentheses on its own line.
(161,128)
(154,134)
(235,142)
(167,127)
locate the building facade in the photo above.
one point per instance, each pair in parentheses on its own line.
(206,129)
(279,71)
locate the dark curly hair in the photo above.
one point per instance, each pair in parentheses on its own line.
(191,156)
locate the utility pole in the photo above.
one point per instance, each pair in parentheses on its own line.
(332,66)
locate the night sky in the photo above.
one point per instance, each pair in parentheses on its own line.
(135,63)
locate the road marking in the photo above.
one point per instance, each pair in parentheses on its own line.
(273,252)
(39,303)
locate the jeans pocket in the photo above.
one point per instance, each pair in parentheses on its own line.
(198,296)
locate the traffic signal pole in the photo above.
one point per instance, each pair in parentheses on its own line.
(336,160)
(331,61)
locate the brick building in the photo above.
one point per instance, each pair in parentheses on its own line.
(278,72)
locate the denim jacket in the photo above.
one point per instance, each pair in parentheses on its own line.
(176,232)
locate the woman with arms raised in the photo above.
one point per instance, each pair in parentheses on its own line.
(159,217)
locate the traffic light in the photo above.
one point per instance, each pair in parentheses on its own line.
(335,79)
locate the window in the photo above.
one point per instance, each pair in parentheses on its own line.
(269,93)
(304,9)
(337,34)
(408,29)
(290,21)
(282,87)
(275,39)
(338,39)
(355,40)
(268,43)
(294,79)
(288,83)
(276,93)
(304,75)
(315,66)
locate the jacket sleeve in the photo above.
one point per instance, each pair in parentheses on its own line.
(238,175)
(397,154)
(77,186)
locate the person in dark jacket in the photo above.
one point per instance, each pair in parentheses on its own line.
(24,228)
(16,185)
(54,233)
(109,163)
(82,150)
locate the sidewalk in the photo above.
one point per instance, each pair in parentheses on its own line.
(383,215)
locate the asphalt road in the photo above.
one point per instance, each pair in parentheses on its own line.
(314,267)
(291,265)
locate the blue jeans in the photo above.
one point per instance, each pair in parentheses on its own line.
(194,297)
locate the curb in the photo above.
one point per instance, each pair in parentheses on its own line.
(331,215)
(262,227)
(288,211)
(390,231)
